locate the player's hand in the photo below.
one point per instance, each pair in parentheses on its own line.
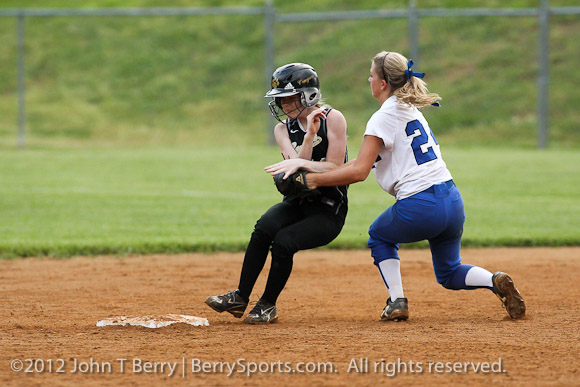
(313,121)
(287,167)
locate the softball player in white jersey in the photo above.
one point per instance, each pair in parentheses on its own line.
(400,149)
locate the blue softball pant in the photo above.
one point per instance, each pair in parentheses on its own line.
(437,215)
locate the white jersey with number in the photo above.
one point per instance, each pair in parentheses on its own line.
(410,160)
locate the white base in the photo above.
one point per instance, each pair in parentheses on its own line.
(154,321)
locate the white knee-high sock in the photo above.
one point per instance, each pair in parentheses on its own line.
(390,270)
(478,276)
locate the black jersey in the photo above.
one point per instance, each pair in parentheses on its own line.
(333,196)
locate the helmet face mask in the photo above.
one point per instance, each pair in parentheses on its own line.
(292,79)
(278,111)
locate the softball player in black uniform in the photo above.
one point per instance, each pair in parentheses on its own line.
(314,139)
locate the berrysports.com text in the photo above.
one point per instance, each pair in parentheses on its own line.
(249,368)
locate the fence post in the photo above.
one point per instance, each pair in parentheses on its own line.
(413,31)
(543,73)
(269,18)
(21,84)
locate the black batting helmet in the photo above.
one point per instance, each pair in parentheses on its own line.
(291,79)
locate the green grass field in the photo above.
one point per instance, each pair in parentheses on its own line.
(149,134)
(63,202)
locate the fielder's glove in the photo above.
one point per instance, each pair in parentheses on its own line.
(295,184)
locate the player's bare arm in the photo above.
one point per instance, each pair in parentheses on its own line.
(312,128)
(352,172)
(336,127)
(283,141)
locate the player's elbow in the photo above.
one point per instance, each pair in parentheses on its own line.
(359,174)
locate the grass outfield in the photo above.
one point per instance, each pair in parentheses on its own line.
(64,202)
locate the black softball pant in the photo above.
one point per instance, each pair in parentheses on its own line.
(284,229)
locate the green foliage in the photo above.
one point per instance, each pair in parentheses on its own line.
(63,202)
(200,79)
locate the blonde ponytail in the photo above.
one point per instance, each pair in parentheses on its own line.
(407,86)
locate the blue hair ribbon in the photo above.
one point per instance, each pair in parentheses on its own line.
(409,73)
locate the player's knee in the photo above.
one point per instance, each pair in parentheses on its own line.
(454,279)
(267,226)
(283,246)
(282,262)
(373,234)
(381,250)
(447,283)
(262,233)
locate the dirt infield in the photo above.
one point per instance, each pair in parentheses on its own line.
(329,331)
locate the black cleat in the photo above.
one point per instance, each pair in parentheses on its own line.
(230,302)
(506,291)
(262,313)
(397,310)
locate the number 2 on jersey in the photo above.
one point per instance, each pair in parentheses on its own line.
(418,143)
